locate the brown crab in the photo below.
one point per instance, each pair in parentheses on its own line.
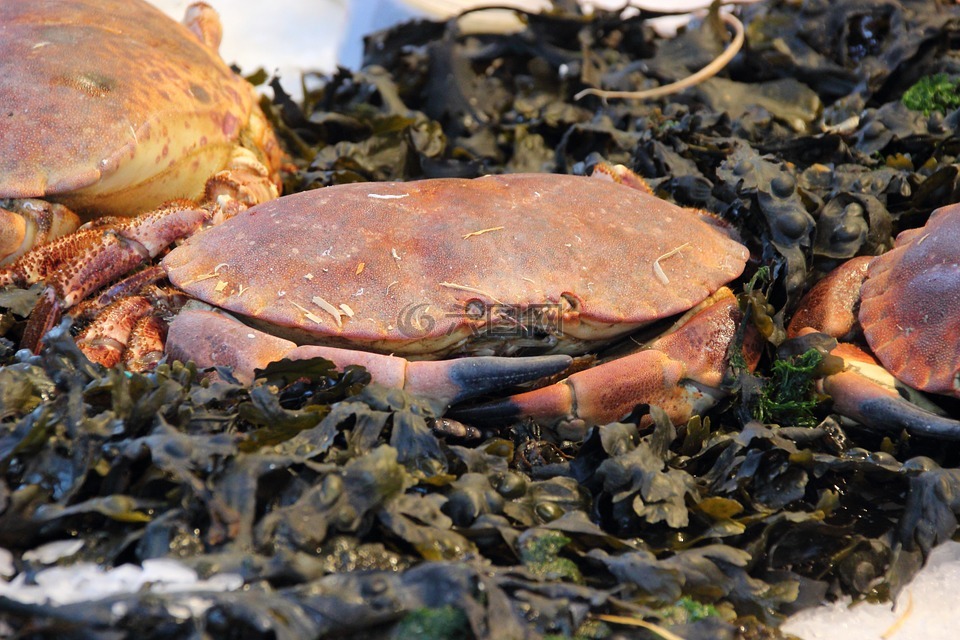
(111,108)
(500,265)
(907,304)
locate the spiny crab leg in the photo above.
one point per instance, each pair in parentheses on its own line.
(123,322)
(106,256)
(680,372)
(211,338)
(133,284)
(79,264)
(105,339)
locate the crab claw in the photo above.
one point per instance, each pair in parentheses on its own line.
(606,393)
(211,338)
(866,392)
(882,408)
(680,372)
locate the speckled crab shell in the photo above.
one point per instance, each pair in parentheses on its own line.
(442,266)
(910,305)
(111,104)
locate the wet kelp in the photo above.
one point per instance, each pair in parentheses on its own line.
(348,513)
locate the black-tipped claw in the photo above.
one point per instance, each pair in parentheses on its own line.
(489,414)
(894,415)
(486,374)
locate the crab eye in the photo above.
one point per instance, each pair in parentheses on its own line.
(475,309)
(573,300)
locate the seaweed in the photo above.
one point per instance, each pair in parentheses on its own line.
(932,93)
(788,396)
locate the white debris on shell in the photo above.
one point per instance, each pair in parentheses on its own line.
(482,231)
(329,308)
(309,315)
(463,287)
(658,270)
(387,196)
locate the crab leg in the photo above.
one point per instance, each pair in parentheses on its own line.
(102,259)
(680,372)
(105,340)
(131,285)
(211,338)
(81,263)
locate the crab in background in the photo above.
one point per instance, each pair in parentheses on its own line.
(906,304)
(114,110)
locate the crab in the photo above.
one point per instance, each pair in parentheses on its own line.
(112,109)
(906,303)
(474,270)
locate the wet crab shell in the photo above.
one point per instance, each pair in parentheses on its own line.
(447,266)
(108,103)
(910,305)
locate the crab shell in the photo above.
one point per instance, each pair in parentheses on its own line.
(111,107)
(454,266)
(910,305)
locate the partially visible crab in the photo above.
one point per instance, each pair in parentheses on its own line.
(511,264)
(907,303)
(111,108)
